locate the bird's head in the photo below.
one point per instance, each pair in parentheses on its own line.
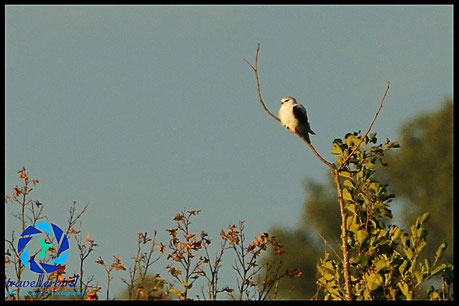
(288,100)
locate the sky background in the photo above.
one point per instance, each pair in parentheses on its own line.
(142,111)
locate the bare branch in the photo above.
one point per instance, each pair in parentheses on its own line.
(255,70)
(369,128)
(331,165)
(330,247)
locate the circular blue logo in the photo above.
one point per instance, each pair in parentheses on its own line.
(43,247)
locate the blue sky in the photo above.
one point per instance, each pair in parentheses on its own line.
(142,111)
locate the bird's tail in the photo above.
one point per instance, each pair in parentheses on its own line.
(304,131)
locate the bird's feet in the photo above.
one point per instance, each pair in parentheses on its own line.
(293,130)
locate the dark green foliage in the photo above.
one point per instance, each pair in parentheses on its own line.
(384,260)
(421,173)
(321,202)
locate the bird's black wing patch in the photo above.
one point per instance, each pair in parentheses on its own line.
(300,113)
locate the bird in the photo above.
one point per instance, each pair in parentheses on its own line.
(293,116)
(44,247)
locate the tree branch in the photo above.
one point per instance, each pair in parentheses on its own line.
(336,171)
(347,278)
(255,70)
(369,128)
(331,165)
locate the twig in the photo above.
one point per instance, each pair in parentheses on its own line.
(369,128)
(255,70)
(330,247)
(331,165)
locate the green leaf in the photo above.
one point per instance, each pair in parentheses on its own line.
(434,296)
(440,251)
(409,253)
(418,276)
(351,224)
(387,282)
(329,276)
(175,291)
(402,267)
(351,208)
(362,259)
(395,233)
(328,265)
(351,139)
(381,264)
(405,241)
(405,290)
(427,264)
(349,183)
(421,246)
(376,149)
(368,164)
(441,268)
(373,138)
(362,235)
(423,218)
(347,195)
(345,173)
(367,201)
(336,150)
(374,281)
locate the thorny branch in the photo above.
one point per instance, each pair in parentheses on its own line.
(335,172)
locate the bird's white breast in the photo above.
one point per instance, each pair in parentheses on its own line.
(286,116)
